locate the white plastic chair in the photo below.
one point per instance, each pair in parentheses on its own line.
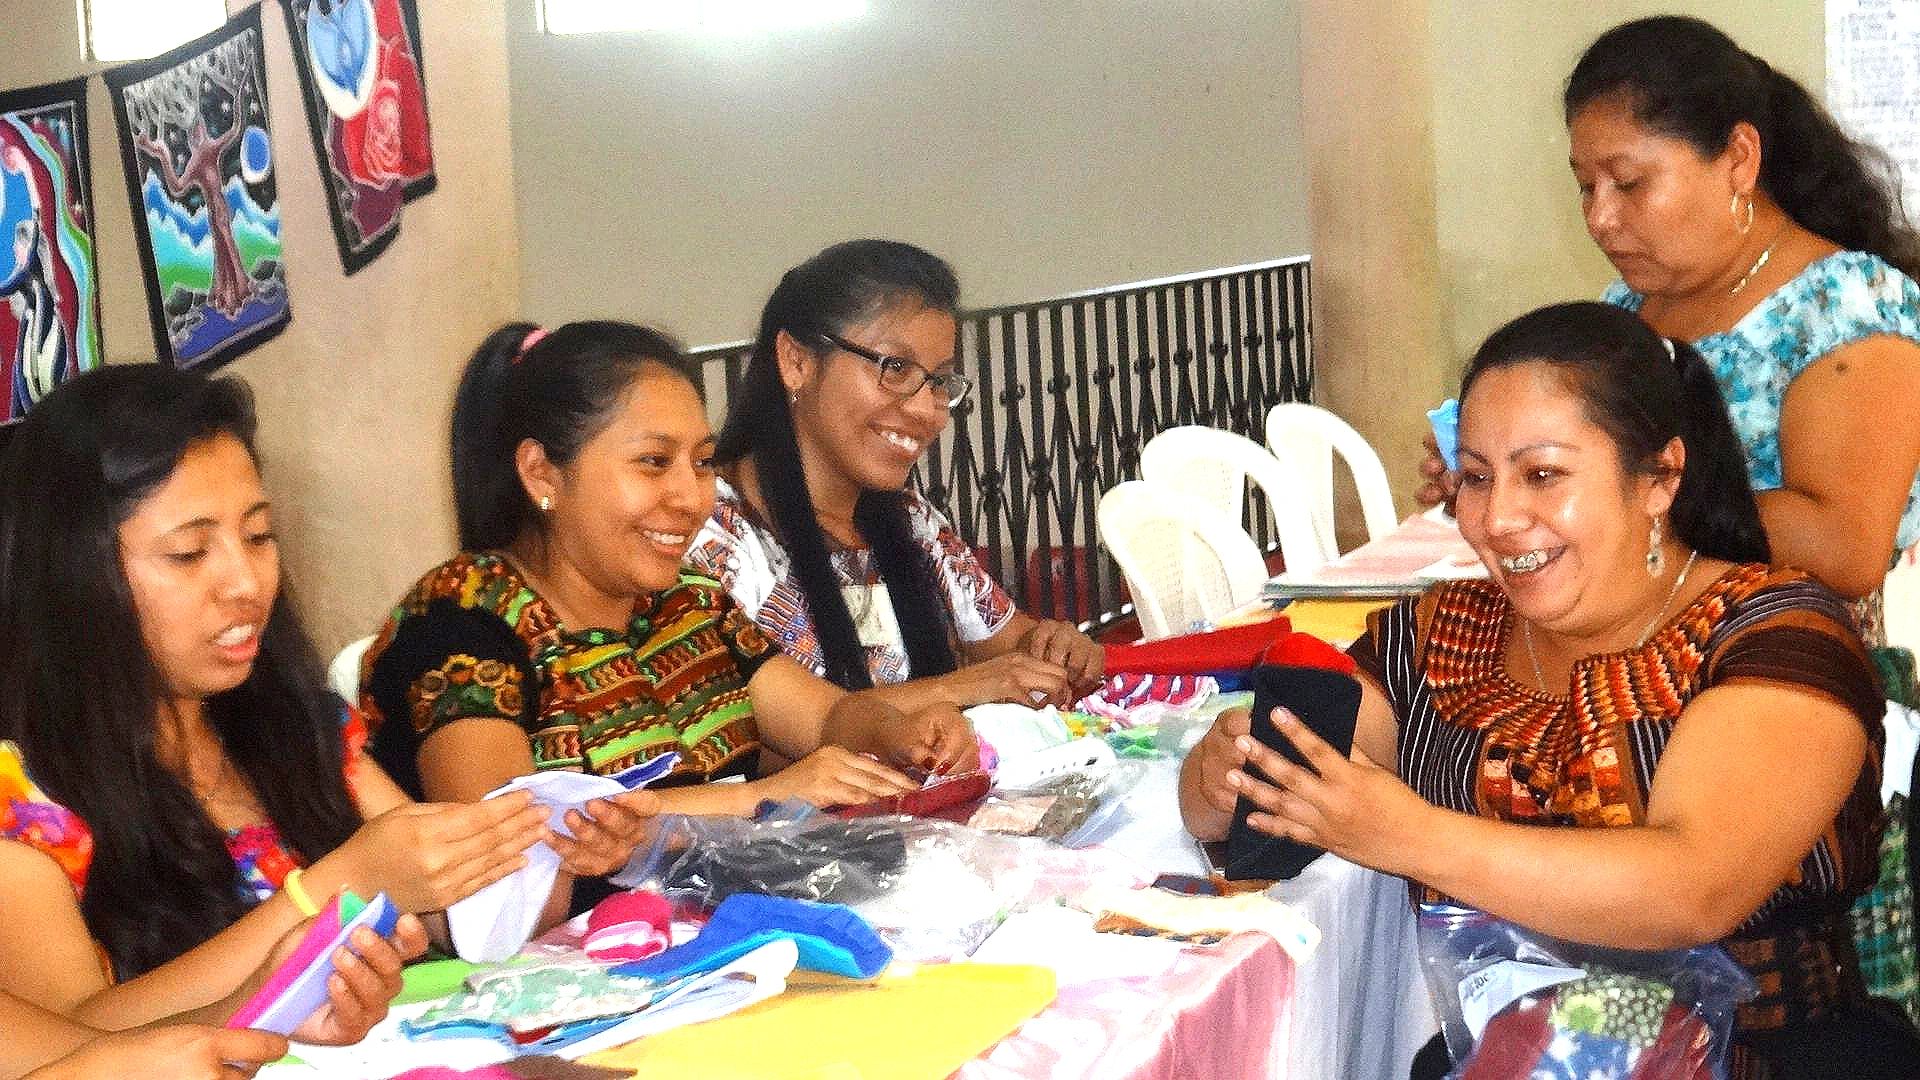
(1214,466)
(1305,438)
(1184,562)
(343,675)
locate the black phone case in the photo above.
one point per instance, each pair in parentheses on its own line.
(1328,703)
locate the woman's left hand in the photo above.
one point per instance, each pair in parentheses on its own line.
(937,738)
(605,835)
(1062,643)
(1352,808)
(366,976)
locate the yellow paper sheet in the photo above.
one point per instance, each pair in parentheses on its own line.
(1337,621)
(921,1026)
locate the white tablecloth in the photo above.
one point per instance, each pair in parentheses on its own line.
(1360,1008)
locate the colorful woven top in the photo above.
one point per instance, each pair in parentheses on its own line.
(742,553)
(30,817)
(473,640)
(1474,740)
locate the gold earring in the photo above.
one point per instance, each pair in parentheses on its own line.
(1656,556)
(546,503)
(1734,209)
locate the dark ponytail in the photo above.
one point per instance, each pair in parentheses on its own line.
(1686,79)
(559,389)
(825,295)
(1643,391)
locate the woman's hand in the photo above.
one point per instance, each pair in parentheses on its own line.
(1062,644)
(606,834)
(1217,756)
(366,976)
(937,738)
(427,856)
(1352,808)
(1440,481)
(836,776)
(1015,677)
(175,1052)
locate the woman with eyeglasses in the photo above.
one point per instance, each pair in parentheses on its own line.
(816,532)
(567,636)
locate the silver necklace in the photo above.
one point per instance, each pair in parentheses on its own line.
(1526,628)
(1754,269)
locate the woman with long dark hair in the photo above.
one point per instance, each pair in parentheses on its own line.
(176,783)
(1700,731)
(566,635)
(815,532)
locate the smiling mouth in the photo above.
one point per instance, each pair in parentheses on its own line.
(905,442)
(665,539)
(1527,562)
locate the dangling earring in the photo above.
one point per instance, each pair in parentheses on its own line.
(793,398)
(1734,209)
(1656,555)
(546,503)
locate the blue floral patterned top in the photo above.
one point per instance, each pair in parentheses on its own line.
(1841,299)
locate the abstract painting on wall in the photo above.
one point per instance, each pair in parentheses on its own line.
(359,66)
(50,318)
(200,174)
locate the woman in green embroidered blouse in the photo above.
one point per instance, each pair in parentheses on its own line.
(566,635)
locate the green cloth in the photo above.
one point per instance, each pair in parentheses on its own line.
(433,980)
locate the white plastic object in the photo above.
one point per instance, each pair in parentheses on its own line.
(1087,755)
(1304,438)
(343,675)
(1186,564)
(1214,466)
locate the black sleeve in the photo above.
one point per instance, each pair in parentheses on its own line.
(447,664)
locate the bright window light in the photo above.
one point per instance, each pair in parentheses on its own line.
(118,30)
(706,16)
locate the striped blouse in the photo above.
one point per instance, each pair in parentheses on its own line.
(1474,740)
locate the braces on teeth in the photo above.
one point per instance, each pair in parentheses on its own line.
(1522,564)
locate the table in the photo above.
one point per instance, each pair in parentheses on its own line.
(1358,1007)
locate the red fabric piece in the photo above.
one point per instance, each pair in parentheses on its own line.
(1307,651)
(1512,1042)
(1681,1051)
(1235,648)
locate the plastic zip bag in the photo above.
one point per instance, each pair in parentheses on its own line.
(1515,1005)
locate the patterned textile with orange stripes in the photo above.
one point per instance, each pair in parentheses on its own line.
(602,699)
(1475,740)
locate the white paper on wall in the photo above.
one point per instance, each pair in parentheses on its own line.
(1873,80)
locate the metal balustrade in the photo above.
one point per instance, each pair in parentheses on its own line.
(1067,392)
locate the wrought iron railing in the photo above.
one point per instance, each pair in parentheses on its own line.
(1068,392)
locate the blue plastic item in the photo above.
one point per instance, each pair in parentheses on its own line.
(1445,421)
(831,939)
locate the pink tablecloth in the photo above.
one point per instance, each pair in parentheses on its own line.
(1221,1012)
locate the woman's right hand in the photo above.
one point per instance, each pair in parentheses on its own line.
(1012,676)
(836,776)
(1440,481)
(1216,755)
(427,856)
(175,1052)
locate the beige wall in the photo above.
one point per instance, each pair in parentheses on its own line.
(1042,147)
(1441,201)
(354,395)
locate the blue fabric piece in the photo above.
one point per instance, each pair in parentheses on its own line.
(1580,1056)
(831,939)
(1845,298)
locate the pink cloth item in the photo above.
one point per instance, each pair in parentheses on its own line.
(1221,1012)
(629,926)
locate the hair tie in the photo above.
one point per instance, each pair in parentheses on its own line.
(538,334)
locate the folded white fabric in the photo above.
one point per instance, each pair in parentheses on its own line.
(492,924)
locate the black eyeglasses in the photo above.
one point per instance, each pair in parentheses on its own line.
(899,375)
